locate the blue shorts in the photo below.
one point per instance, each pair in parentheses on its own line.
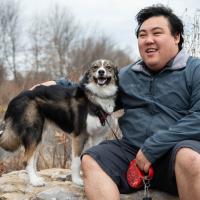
(112,159)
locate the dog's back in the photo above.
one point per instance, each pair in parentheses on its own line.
(25,115)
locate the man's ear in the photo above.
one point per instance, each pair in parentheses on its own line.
(177,38)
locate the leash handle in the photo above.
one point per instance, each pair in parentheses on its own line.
(136,177)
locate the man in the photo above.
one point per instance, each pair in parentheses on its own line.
(160,96)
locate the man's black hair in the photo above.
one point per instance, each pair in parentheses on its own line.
(176,25)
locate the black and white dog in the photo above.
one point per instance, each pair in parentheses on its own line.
(80,110)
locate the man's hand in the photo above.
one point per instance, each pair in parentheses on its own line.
(47,83)
(142,161)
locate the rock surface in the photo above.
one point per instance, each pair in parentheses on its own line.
(15,186)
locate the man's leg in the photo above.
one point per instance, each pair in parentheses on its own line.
(97,184)
(187,170)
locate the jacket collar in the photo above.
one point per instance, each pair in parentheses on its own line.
(176,63)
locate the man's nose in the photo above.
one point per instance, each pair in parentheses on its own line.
(149,39)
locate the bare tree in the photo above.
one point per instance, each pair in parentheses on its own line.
(10,34)
(192,33)
(3,25)
(56,44)
(38,41)
(2,73)
(90,49)
(61,37)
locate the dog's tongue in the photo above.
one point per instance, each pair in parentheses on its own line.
(101,81)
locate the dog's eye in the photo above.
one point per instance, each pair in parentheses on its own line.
(95,67)
(109,67)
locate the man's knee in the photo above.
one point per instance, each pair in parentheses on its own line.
(187,161)
(88,164)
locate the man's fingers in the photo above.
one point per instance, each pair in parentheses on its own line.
(142,162)
(146,168)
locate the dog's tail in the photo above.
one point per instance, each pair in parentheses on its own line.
(8,139)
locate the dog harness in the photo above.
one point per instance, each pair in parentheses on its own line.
(102,115)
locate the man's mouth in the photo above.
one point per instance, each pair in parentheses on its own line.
(151,50)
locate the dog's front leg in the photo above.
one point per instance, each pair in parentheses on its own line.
(31,156)
(75,167)
(77,148)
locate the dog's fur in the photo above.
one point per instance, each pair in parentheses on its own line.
(77,109)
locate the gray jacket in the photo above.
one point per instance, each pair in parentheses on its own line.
(160,109)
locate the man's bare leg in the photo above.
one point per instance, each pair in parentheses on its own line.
(187,169)
(97,184)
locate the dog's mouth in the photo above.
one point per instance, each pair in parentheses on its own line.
(102,80)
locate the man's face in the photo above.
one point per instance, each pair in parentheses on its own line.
(156,43)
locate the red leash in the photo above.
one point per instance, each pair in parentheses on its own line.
(135,176)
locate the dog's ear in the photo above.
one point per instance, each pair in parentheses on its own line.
(85,78)
(116,73)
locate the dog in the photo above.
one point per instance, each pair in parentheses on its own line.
(82,109)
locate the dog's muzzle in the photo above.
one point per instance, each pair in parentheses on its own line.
(102,78)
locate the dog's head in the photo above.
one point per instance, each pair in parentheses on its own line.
(101,78)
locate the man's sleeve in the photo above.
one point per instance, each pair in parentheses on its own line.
(66,82)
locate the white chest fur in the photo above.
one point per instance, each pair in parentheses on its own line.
(106,104)
(105,97)
(94,126)
(96,131)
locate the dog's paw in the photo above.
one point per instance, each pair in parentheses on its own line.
(37,181)
(78,181)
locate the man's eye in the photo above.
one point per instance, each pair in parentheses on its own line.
(142,35)
(157,33)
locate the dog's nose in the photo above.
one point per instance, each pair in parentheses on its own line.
(101,72)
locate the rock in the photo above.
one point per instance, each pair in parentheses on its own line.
(156,195)
(56,193)
(15,186)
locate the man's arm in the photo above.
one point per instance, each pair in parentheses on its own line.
(158,144)
(187,128)
(47,83)
(66,82)
(63,81)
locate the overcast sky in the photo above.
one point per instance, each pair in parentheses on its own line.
(115,18)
